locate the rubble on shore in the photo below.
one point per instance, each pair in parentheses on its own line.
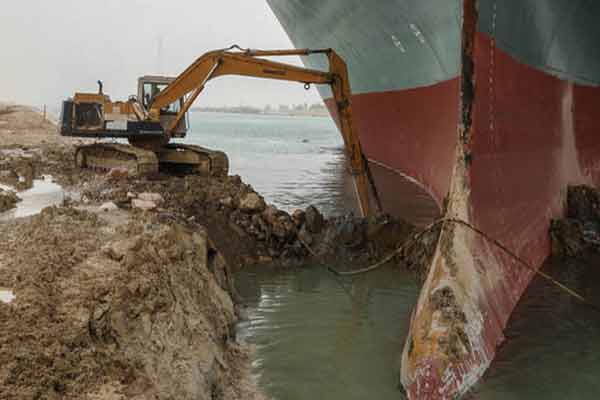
(249,230)
(8,200)
(238,219)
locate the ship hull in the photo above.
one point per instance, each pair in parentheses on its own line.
(496,138)
(412,175)
(528,130)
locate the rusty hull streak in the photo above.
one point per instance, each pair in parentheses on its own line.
(445,352)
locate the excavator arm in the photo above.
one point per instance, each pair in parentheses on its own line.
(211,65)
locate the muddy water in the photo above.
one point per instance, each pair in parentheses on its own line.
(316,338)
(44,193)
(553,342)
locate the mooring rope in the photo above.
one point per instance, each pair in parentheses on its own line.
(435,224)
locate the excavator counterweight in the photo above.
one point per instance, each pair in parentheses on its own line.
(158,113)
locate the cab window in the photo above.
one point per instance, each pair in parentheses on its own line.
(151,89)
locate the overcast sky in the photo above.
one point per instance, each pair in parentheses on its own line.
(52,48)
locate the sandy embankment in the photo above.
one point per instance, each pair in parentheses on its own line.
(109,307)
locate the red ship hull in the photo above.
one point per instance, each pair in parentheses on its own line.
(413,175)
(533,135)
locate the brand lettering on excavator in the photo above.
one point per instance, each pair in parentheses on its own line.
(273,72)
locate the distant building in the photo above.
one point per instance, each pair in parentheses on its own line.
(317,107)
(316,110)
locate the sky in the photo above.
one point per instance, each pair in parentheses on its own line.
(51,49)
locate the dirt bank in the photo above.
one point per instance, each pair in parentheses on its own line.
(24,126)
(8,200)
(109,307)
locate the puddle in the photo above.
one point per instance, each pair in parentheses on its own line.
(44,193)
(6,296)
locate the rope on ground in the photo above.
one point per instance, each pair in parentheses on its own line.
(457,221)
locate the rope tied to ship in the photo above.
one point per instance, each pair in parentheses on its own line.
(409,243)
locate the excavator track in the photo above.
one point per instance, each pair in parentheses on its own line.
(178,158)
(198,160)
(108,156)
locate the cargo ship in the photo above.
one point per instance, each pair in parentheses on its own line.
(477,110)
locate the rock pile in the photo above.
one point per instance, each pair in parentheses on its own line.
(247,229)
(238,218)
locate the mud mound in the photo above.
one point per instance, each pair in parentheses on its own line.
(349,241)
(8,200)
(579,232)
(23,125)
(115,311)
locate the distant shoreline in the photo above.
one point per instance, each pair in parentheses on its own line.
(291,113)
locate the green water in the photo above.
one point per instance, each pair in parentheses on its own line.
(318,337)
(292,161)
(553,342)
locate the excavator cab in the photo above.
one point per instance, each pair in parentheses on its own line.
(148,88)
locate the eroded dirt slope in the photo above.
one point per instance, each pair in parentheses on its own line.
(107,308)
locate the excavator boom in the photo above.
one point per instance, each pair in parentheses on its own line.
(244,63)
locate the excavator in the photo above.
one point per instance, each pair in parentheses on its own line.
(158,113)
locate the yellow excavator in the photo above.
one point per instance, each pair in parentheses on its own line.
(159,113)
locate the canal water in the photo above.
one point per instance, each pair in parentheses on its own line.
(292,161)
(552,350)
(317,336)
(320,338)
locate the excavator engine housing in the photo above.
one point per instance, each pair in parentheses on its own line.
(95,115)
